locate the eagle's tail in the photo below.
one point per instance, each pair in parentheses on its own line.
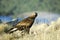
(12,30)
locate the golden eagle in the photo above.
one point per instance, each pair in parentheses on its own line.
(25,24)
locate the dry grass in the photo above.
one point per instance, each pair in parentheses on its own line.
(37,32)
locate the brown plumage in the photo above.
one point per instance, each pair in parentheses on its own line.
(25,24)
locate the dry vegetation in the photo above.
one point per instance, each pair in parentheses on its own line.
(37,32)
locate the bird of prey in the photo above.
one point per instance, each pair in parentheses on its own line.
(25,24)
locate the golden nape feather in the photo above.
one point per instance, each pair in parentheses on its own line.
(25,24)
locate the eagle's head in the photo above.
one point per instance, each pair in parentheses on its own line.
(33,16)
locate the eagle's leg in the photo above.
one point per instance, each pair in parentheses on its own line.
(27,30)
(24,29)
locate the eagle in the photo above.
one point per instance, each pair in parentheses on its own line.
(24,24)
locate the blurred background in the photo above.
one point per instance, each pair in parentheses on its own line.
(13,11)
(18,9)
